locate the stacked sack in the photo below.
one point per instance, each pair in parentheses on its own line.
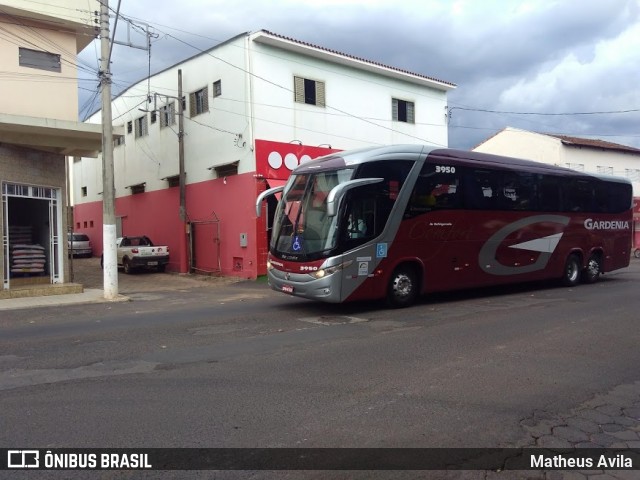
(26,257)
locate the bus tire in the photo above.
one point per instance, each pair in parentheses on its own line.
(571,273)
(636,253)
(403,287)
(591,274)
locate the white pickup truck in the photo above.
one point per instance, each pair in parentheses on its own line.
(136,252)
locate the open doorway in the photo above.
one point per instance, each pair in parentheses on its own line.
(32,222)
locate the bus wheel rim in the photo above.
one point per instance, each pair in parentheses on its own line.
(572,271)
(402,286)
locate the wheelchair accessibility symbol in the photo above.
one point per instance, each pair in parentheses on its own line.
(381,250)
(296,244)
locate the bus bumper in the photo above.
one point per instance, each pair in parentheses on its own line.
(326,289)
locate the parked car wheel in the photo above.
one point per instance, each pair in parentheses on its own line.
(126,265)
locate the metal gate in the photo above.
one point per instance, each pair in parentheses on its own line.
(204,246)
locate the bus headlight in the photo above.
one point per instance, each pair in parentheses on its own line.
(269,266)
(323,272)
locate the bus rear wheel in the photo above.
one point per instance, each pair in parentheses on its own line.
(571,275)
(403,287)
(591,274)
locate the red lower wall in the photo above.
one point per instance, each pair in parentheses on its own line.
(156,214)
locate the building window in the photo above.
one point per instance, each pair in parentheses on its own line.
(84,191)
(632,174)
(41,60)
(226,170)
(217,88)
(141,127)
(137,188)
(173,180)
(575,166)
(117,141)
(199,102)
(308,91)
(403,111)
(605,170)
(129,126)
(154,116)
(168,115)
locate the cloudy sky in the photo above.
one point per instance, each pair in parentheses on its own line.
(567,67)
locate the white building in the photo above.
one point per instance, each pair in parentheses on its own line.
(254,107)
(582,154)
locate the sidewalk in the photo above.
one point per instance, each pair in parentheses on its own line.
(90,295)
(87,272)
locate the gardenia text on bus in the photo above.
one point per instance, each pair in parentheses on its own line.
(591,224)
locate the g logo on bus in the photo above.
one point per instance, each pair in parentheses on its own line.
(545,245)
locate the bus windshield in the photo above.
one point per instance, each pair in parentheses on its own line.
(301,225)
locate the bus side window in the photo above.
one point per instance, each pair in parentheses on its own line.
(518,192)
(434,191)
(611,198)
(481,189)
(548,193)
(578,196)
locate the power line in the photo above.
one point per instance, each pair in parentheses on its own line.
(548,114)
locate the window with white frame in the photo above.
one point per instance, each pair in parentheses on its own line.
(217,88)
(311,92)
(199,102)
(403,111)
(168,115)
(142,127)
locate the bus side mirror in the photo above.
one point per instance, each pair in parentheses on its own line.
(337,192)
(263,195)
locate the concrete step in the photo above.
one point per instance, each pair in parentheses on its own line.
(24,291)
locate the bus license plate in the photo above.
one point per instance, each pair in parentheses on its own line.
(152,263)
(287,288)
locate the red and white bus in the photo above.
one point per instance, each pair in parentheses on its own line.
(399,221)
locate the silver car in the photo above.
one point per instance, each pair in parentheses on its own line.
(79,245)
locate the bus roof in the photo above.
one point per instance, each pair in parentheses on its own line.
(477,159)
(452,156)
(354,157)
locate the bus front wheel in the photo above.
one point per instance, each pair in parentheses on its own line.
(571,275)
(591,274)
(403,287)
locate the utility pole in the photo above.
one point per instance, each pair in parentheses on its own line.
(110,268)
(184,265)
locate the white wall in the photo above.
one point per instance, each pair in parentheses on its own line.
(210,138)
(358,104)
(256,105)
(547,149)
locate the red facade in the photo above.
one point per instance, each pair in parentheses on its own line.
(221,215)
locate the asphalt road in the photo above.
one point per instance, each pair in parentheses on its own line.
(193,363)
